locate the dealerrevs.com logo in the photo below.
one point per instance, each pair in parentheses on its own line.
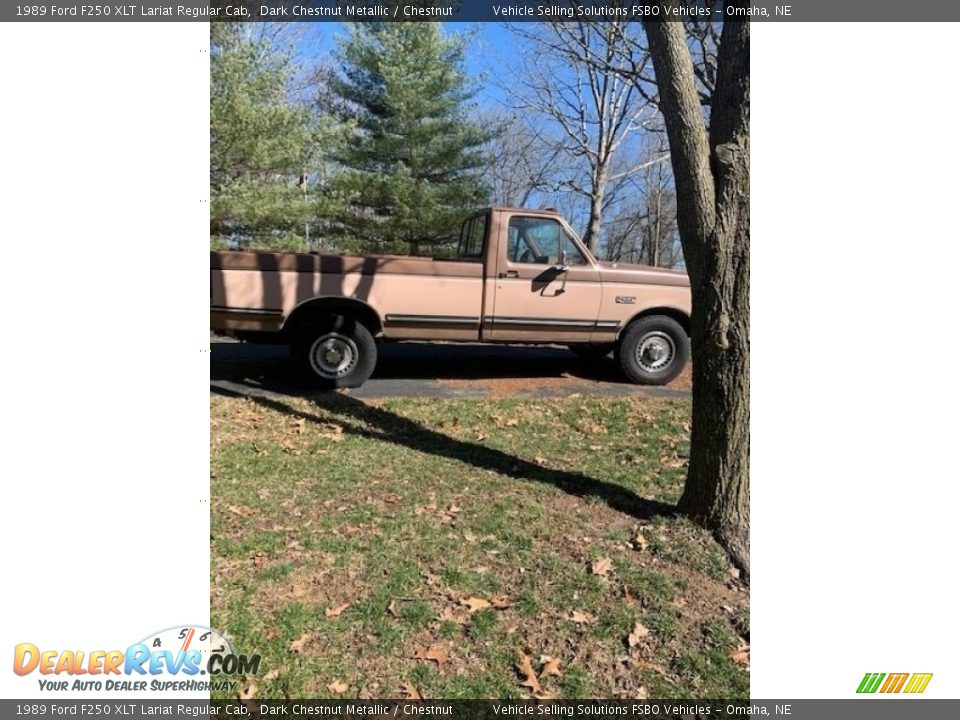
(184,658)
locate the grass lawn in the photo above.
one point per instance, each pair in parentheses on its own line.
(436,547)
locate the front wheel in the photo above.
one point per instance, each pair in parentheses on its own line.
(653,350)
(335,352)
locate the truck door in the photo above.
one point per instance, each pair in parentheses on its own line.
(547,286)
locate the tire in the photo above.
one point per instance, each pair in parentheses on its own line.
(334,352)
(594,352)
(653,350)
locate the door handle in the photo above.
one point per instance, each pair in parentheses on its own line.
(509,274)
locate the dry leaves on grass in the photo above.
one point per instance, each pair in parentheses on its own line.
(581,618)
(300,643)
(551,666)
(436,654)
(272,675)
(247,693)
(474,604)
(637,635)
(673,462)
(640,542)
(448,615)
(529,675)
(602,566)
(335,612)
(741,656)
(337,686)
(409,692)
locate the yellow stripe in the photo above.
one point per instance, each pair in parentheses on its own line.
(914,681)
(924,681)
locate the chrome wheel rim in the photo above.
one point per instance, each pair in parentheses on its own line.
(333,356)
(655,351)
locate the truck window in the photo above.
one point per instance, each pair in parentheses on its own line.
(472,235)
(538,241)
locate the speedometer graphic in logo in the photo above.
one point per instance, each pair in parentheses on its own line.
(192,649)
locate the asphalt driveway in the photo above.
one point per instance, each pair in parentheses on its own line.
(437,370)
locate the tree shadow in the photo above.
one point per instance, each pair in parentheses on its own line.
(375,423)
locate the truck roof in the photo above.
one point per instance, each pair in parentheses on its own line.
(553,212)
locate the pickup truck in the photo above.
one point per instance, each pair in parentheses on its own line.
(520,276)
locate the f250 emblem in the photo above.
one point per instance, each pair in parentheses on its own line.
(626,299)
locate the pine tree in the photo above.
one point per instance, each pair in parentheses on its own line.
(412,166)
(261,142)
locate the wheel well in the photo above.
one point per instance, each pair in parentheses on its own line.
(678,315)
(356,309)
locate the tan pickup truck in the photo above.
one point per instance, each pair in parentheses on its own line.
(520,276)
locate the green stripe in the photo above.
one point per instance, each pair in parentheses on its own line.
(863,683)
(876,685)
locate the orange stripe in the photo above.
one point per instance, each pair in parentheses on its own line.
(903,679)
(887,683)
(186,640)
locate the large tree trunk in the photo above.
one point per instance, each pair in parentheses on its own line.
(712,174)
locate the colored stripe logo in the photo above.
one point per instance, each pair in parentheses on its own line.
(913,683)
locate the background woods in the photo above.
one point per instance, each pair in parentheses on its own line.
(378,137)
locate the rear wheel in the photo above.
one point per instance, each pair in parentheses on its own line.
(653,350)
(335,352)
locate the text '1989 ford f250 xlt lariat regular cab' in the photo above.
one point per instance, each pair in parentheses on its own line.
(520,276)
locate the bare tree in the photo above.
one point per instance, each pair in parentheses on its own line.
(522,163)
(712,172)
(644,226)
(580,76)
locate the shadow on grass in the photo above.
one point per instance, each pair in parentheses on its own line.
(358,418)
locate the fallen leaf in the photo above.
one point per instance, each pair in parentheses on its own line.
(409,692)
(337,611)
(640,541)
(337,686)
(550,667)
(241,510)
(581,618)
(272,675)
(392,608)
(672,461)
(601,567)
(641,694)
(447,615)
(297,645)
(500,602)
(436,654)
(247,692)
(474,604)
(525,668)
(638,634)
(741,655)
